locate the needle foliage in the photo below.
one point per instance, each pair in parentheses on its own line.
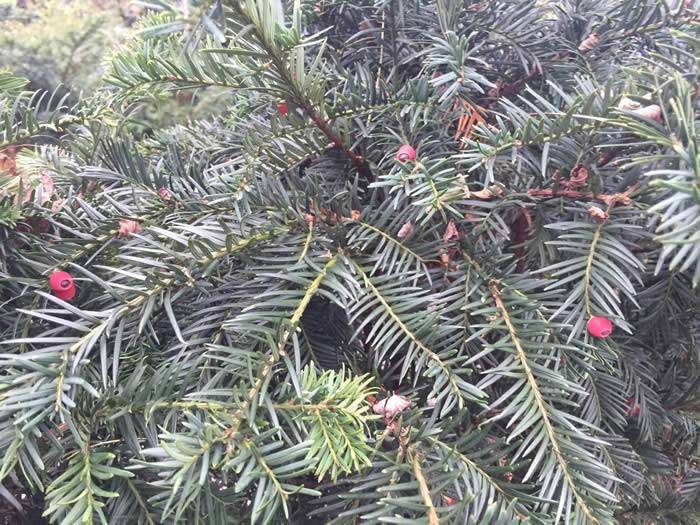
(220,361)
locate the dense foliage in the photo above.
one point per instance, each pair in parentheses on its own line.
(278,320)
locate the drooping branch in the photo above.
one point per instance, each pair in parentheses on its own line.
(454,382)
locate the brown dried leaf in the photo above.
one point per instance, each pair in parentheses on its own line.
(47,186)
(7,164)
(445,259)
(628,104)
(495,91)
(616,198)
(486,193)
(164,194)
(588,43)
(451,232)
(578,178)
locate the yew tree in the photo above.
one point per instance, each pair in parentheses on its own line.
(423,262)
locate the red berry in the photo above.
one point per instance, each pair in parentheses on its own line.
(599,326)
(282,108)
(62,285)
(405,153)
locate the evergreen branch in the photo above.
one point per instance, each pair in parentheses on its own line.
(552,438)
(545,125)
(496,192)
(390,251)
(141,502)
(27,115)
(476,498)
(669,515)
(297,92)
(471,465)
(589,267)
(269,472)
(92,335)
(424,490)
(307,243)
(235,380)
(600,262)
(99,242)
(75,496)
(461,390)
(279,351)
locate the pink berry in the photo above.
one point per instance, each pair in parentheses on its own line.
(62,285)
(405,153)
(652,112)
(599,326)
(633,408)
(164,194)
(282,108)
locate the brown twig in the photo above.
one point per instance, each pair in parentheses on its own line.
(357,160)
(609,157)
(512,88)
(610,199)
